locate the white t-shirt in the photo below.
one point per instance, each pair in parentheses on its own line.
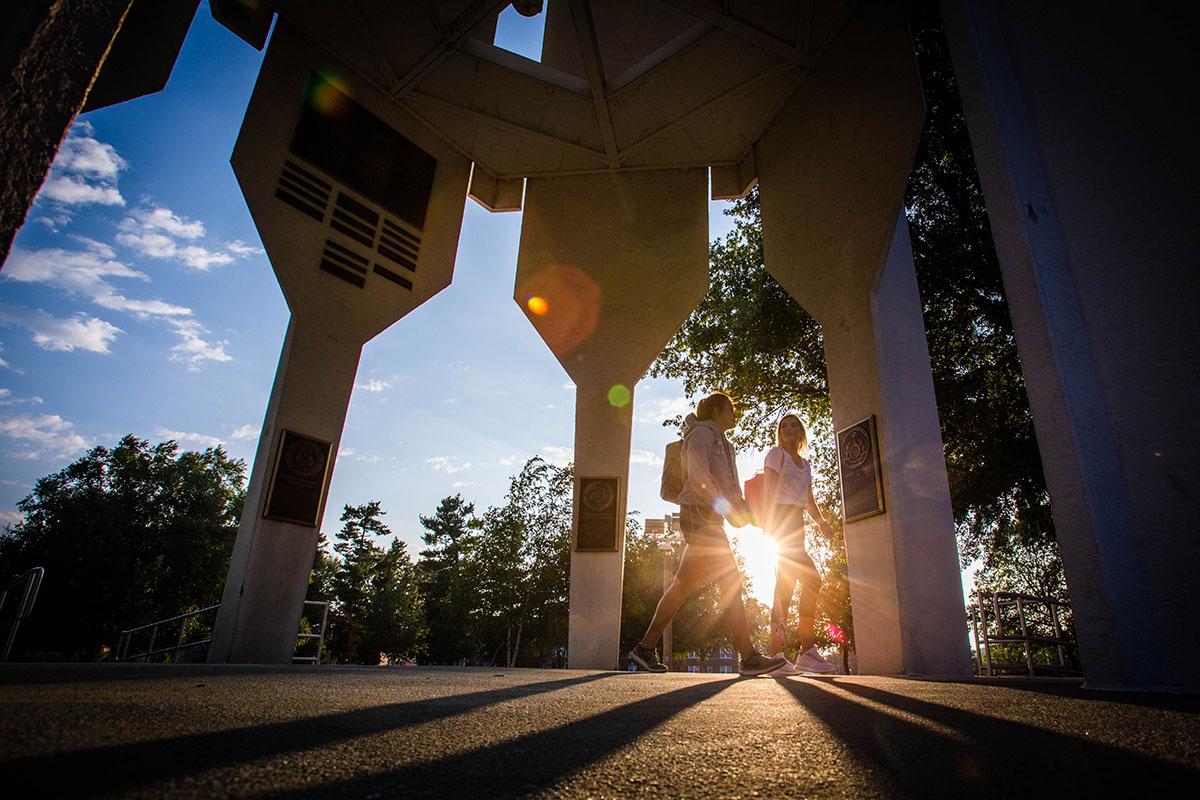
(794,481)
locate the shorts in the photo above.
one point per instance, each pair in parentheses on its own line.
(700,525)
(787,529)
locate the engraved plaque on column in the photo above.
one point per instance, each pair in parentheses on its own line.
(298,479)
(599,525)
(861,470)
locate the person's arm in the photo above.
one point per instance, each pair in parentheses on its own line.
(814,511)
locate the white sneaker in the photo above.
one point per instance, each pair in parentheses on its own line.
(811,660)
(788,667)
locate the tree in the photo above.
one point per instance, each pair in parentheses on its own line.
(445,586)
(376,606)
(127,536)
(521,566)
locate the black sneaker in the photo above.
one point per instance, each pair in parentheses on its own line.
(758,664)
(647,659)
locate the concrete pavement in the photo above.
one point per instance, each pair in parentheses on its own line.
(133,730)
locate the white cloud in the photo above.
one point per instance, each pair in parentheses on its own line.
(559,456)
(239,248)
(645,457)
(345,451)
(85,171)
(86,273)
(448,464)
(193,349)
(7,399)
(507,462)
(657,409)
(161,233)
(462,484)
(43,436)
(79,332)
(11,518)
(570,387)
(185,437)
(244,432)
(373,385)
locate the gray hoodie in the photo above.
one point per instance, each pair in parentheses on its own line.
(710,469)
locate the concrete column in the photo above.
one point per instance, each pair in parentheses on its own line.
(50,52)
(268,574)
(1088,165)
(352,257)
(831,185)
(609,268)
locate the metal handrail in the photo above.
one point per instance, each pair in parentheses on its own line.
(984,637)
(122,652)
(32,580)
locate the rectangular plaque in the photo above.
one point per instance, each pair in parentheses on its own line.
(338,135)
(298,479)
(861,470)
(599,524)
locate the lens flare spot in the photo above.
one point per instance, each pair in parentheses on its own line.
(572,306)
(722,506)
(327,95)
(619,396)
(537,305)
(835,633)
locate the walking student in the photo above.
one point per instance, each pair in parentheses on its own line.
(789,496)
(711,494)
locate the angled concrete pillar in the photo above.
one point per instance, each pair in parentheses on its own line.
(359,207)
(832,170)
(50,54)
(609,268)
(1088,165)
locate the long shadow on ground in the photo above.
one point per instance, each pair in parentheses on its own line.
(525,765)
(115,768)
(966,754)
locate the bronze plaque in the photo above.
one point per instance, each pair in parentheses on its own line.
(861,471)
(599,526)
(298,479)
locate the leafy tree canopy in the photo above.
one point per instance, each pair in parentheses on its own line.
(127,536)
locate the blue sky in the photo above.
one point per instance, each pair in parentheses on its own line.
(137,299)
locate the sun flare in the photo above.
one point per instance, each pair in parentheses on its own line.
(759,553)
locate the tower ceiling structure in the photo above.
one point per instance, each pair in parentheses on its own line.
(621,85)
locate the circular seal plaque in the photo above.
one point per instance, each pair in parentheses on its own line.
(304,459)
(598,496)
(856,448)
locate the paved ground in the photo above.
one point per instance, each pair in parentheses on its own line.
(299,732)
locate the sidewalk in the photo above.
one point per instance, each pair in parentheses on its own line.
(135,730)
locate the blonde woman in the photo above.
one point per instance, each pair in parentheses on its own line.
(789,496)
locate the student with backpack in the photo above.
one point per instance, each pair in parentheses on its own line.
(705,483)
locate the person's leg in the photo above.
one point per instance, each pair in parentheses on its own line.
(692,567)
(786,576)
(729,583)
(806,606)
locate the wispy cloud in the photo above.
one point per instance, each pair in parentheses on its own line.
(159,232)
(7,398)
(559,456)
(86,273)
(44,436)
(186,437)
(507,461)
(645,457)
(11,518)
(79,332)
(448,464)
(244,432)
(374,385)
(193,349)
(657,409)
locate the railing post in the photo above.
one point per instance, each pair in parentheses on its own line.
(1058,635)
(1024,634)
(153,636)
(973,610)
